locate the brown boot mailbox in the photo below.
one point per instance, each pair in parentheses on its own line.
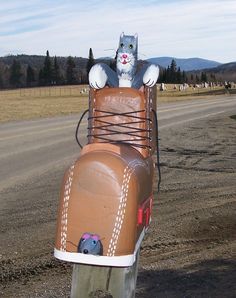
(106,196)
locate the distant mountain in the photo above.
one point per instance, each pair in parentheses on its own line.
(223,72)
(224,68)
(185,64)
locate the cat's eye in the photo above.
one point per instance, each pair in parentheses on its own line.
(131,46)
(122,45)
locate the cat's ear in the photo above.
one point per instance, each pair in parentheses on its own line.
(122,34)
(136,35)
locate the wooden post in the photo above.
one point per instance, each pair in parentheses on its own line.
(107,282)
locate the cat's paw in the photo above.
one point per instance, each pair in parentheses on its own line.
(151,75)
(97,77)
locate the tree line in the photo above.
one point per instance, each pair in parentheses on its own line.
(54,71)
(71,70)
(173,74)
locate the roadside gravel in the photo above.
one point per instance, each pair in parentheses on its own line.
(190,248)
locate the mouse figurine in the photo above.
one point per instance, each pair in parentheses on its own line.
(126,74)
(90,244)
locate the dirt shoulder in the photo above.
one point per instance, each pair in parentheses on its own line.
(190,248)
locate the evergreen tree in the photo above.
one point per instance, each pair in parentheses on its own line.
(47,70)
(70,71)
(184,77)
(173,71)
(161,76)
(178,76)
(165,76)
(1,81)
(168,74)
(41,78)
(173,74)
(197,79)
(173,66)
(30,77)
(213,77)
(2,69)
(191,78)
(91,61)
(56,74)
(15,74)
(203,77)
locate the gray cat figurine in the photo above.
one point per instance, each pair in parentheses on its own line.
(126,74)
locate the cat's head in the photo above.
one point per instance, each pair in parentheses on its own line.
(127,53)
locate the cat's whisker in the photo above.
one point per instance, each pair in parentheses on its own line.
(126,57)
(141,54)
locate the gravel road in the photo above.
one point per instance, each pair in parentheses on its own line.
(190,248)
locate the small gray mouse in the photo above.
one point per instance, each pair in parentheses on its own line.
(90,244)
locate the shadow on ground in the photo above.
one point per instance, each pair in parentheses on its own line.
(211,278)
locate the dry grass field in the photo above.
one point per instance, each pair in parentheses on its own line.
(24,104)
(32,103)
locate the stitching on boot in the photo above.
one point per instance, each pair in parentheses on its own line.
(64,217)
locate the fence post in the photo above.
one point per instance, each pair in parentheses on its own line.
(107,282)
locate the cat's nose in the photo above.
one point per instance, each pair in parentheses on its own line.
(124,56)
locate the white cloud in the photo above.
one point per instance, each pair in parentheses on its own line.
(176,28)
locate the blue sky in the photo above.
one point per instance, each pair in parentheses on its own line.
(183,28)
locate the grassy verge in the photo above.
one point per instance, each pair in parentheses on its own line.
(35,103)
(32,103)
